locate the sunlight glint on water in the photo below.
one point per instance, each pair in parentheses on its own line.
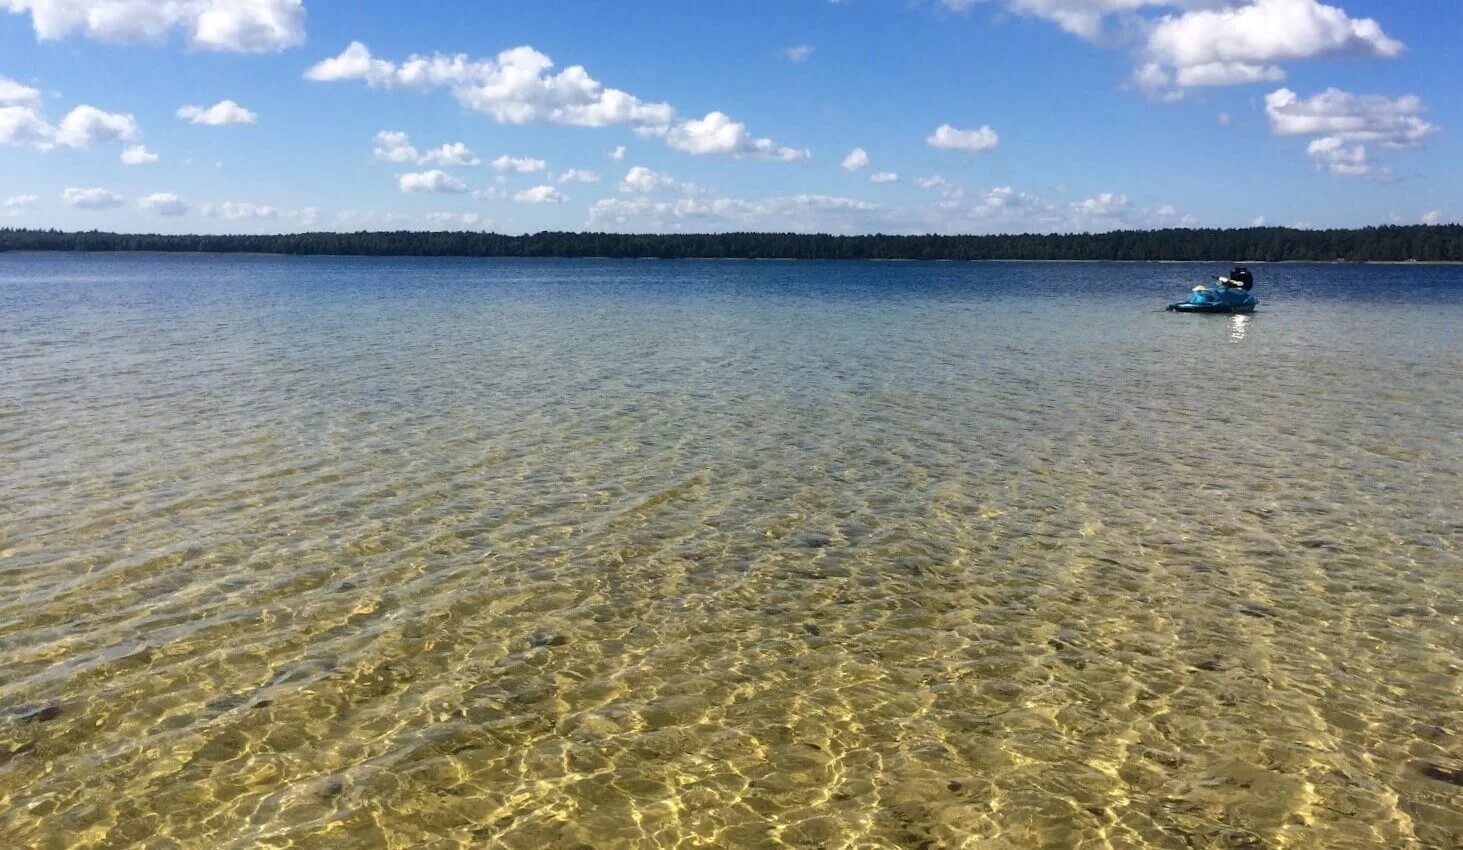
(346,553)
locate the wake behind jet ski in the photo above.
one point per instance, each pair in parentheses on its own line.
(1231,296)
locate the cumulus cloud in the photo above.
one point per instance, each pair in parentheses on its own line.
(241,26)
(646,180)
(396,146)
(857,158)
(221,114)
(451,153)
(1106,204)
(519,86)
(164,203)
(515,87)
(947,137)
(618,154)
(884,177)
(506,164)
(1242,44)
(576,175)
(82,128)
(1343,124)
(12,93)
(1188,43)
(1335,156)
(541,195)
(717,133)
(92,199)
(22,125)
(138,155)
(86,126)
(433,181)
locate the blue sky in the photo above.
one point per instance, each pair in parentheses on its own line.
(811,115)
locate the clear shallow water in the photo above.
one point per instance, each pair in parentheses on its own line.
(351,553)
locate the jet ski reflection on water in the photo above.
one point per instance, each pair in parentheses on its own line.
(1232,295)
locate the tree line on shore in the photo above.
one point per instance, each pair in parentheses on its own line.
(1437,243)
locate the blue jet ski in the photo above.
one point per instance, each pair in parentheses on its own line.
(1231,296)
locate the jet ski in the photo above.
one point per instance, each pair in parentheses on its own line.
(1231,296)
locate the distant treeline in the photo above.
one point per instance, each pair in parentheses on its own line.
(1273,244)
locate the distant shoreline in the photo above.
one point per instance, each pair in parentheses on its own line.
(215,254)
(1415,244)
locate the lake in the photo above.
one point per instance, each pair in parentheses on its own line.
(440,553)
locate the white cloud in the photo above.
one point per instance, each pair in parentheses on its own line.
(1105,205)
(15,205)
(1335,156)
(85,126)
(22,125)
(515,87)
(1258,221)
(138,155)
(618,154)
(947,190)
(457,221)
(1432,219)
(164,203)
(435,181)
(1083,18)
(360,218)
(395,146)
(518,87)
(802,213)
(1225,119)
(221,114)
(575,175)
(717,133)
(518,165)
(857,158)
(1243,43)
(884,177)
(452,153)
(12,92)
(541,195)
(1168,216)
(1188,43)
(1344,124)
(947,137)
(798,53)
(244,26)
(240,211)
(643,180)
(92,199)
(82,128)
(1391,122)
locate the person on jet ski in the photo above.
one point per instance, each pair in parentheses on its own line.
(1240,278)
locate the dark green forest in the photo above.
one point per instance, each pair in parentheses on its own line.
(1258,244)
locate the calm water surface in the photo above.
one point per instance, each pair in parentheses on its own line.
(355,553)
